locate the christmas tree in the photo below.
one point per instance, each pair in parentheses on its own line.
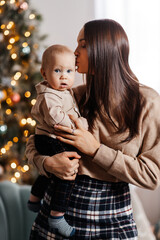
(19,72)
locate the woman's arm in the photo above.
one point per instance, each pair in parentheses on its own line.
(143,169)
(58,164)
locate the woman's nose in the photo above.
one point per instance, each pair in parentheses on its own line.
(76,51)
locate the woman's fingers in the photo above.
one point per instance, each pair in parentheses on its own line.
(72,155)
(60,129)
(61,164)
(76,121)
(73,169)
(70,178)
(66,135)
(66,140)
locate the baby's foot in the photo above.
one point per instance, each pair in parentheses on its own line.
(61,225)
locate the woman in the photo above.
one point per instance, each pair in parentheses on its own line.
(122,146)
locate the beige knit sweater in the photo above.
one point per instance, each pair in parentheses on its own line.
(136,162)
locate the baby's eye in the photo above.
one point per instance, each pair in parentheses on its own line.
(57,70)
(69,71)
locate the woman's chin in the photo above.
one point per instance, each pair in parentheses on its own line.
(79,70)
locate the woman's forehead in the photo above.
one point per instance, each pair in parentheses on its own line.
(80,35)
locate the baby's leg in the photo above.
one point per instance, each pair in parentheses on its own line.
(59,204)
(37,193)
(34,203)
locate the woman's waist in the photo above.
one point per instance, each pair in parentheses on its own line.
(91,169)
(98,184)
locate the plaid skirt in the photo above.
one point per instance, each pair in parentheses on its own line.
(97,210)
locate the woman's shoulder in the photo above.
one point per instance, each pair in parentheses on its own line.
(149,95)
(150,99)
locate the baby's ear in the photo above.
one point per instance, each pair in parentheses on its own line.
(43,73)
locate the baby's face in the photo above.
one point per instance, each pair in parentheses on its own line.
(60,72)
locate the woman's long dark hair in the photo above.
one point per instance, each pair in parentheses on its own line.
(111,86)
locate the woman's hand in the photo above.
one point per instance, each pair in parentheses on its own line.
(62,166)
(80,138)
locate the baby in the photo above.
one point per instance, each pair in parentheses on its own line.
(54,102)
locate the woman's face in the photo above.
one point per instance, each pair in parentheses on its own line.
(81,53)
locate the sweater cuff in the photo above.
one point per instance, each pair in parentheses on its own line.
(40,164)
(45,173)
(105,157)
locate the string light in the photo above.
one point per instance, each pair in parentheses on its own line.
(8,111)
(23,121)
(13,82)
(3,150)
(32,16)
(25,168)
(12,40)
(14,56)
(3,26)
(26,133)
(15,139)
(13,165)
(9,47)
(17,174)
(13,180)
(27,34)
(25,44)
(17,75)
(26,50)
(3,128)
(8,101)
(33,101)
(2,3)
(33,123)
(19,168)
(16,38)
(10,25)
(27,94)
(12,1)
(6,147)
(10,143)
(6,32)
(26,77)
(29,120)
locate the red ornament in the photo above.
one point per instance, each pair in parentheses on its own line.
(15,97)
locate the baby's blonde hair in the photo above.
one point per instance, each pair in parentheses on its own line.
(51,51)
